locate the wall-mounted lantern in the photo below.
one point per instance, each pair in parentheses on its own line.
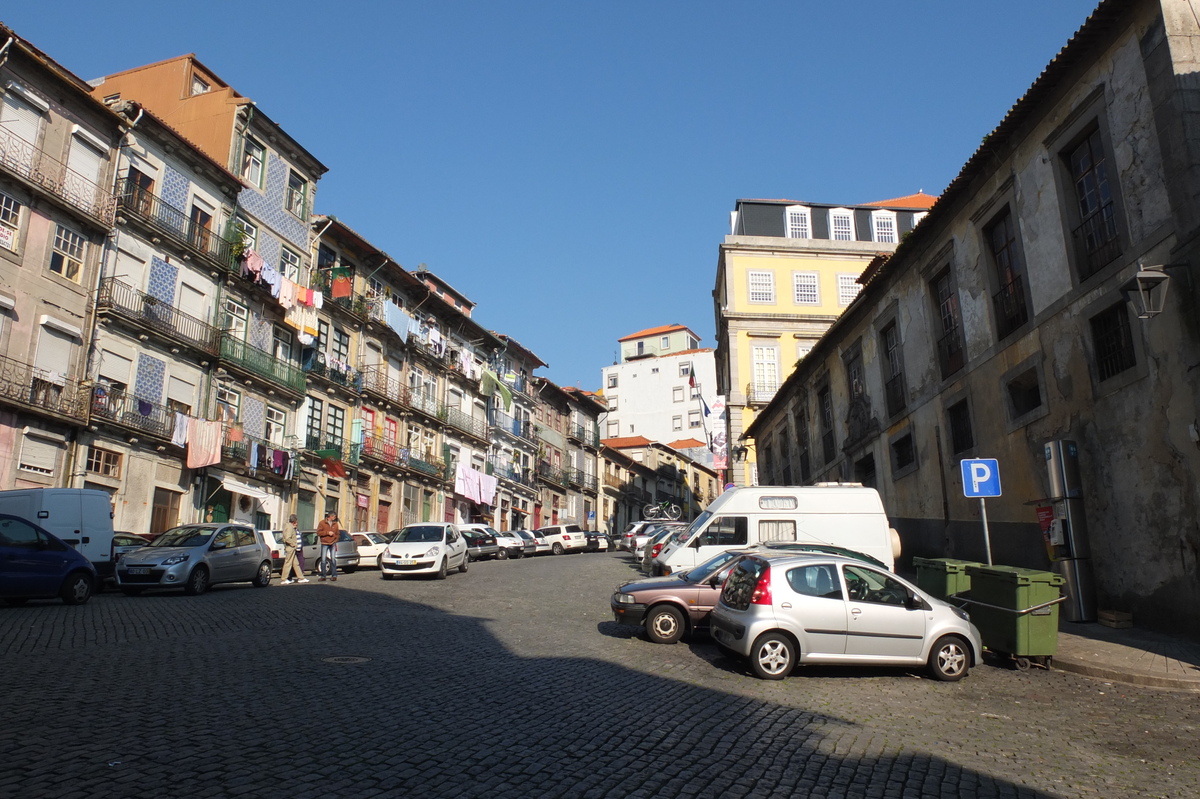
(1147,290)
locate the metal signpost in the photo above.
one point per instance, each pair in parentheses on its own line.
(981,478)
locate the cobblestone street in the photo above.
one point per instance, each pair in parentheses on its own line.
(513,681)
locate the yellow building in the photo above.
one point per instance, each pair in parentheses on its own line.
(784,274)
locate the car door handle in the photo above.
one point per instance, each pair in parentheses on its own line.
(856,611)
(785,604)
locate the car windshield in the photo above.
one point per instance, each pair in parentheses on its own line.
(374,538)
(421,533)
(710,567)
(184,537)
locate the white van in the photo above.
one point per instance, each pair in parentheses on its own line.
(835,514)
(81,517)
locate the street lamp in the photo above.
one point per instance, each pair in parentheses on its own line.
(1147,289)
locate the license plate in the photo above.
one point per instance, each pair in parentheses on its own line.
(138,570)
(406,562)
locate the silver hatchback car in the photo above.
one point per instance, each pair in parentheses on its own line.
(196,556)
(820,609)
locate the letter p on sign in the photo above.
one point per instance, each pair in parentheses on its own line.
(981,478)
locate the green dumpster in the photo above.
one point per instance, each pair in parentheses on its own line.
(943,577)
(1016,610)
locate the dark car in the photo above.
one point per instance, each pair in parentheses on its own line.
(480,545)
(35,564)
(596,541)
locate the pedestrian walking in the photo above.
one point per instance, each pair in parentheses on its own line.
(291,546)
(329,532)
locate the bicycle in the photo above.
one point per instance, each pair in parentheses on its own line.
(662,510)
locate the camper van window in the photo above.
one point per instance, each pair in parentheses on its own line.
(777,503)
(725,531)
(777,530)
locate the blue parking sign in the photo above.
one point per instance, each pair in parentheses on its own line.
(981,478)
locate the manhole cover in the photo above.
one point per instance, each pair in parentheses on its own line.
(346,659)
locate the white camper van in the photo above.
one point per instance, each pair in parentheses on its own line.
(81,517)
(835,514)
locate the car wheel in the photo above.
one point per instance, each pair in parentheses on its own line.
(76,589)
(502,554)
(557,549)
(386,576)
(263,578)
(349,569)
(127,591)
(197,582)
(462,567)
(950,659)
(441,572)
(664,624)
(772,656)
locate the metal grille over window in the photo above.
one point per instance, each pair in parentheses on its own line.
(1113,340)
(1096,236)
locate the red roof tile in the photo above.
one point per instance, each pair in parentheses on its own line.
(687,443)
(653,331)
(628,441)
(918,200)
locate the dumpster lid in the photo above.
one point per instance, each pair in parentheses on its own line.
(948,565)
(1016,574)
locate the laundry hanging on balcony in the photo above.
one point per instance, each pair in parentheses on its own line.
(203,444)
(490,384)
(342,285)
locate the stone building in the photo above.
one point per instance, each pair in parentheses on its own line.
(1010,318)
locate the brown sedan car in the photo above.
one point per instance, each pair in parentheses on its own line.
(668,607)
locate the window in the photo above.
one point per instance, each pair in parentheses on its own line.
(282,341)
(612,380)
(228,403)
(958,416)
(1009,299)
(1113,342)
(199,85)
(297,194)
(613,429)
(801,422)
(664,343)
(819,581)
(165,512)
(1024,393)
(825,408)
(67,257)
(676,422)
(335,423)
(893,375)
(803,348)
(855,383)
(315,408)
(762,286)
(949,343)
(841,224)
(104,462)
(805,288)
(867,585)
(677,394)
(38,455)
(612,402)
(776,530)
(765,365)
(289,264)
(799,222)
(1096,236)
(848,288)
(904,453)
(249,232)
(199,233)
(729,531)
(883,226)
(341,345)
(253,156)
(693,419)
(10,221)
(918,217)
(864,471)
(235,319)
(685,369)
(276,424)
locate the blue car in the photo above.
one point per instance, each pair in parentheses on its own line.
(36,565)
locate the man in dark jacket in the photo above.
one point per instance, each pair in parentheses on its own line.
(328,532)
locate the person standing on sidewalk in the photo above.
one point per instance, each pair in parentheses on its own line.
(291,546)
(328,532)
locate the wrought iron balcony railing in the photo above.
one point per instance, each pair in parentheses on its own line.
(238,446)
(51,175)
(375,381)
(761,392)
(1009,303)
(321,280)
(427,464)
(261,363)
(132,413)
(550,474)
(327,445)
(512,473)
(385,450)
(343,374)
(172,222)
(147,311)
(588,436)
(466,423)
(426,404)
(38,390)
(521,428)
(1096,240)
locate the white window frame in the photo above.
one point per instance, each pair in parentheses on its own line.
(232,399)
(614,428)
(664,343)
(677,394)
(765,289)
(685,370)
(289,264)
(296,200)
(917,217)
(693,419)
(676,423)
(200,85)
(236,318)
(10,221)
(254,161)
(70,248)
(883,227)
(612,403)
(281,342)
(797,220)
(844,231)
(848,288)
(806,288)
(274,424)
(612,380)
(249,231)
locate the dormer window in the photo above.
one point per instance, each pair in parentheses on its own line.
(883,224)
(799,222)
(841,224)
(199,85)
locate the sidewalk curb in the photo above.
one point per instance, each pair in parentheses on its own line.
(1124,675)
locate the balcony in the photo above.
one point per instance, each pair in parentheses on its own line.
(356,305)
(669,472)
(1009,303)
(612,481)
(331,446)
(124,410)
(51,175)
(760,393)
(512,473)
(426,404)
(150,313)
(950,353)
(1096,241)
(40,391)
(466,423)
(550,474)
(237,446)
(522,429)
(338,373)
(894,391)
(585,435)
(175,224)
(427,464)
(252,360)
(377,384)
(384,450)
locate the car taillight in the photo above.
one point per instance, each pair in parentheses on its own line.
(762,590)
(654,552)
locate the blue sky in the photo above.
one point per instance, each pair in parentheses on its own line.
(570,166)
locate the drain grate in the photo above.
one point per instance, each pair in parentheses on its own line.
(346,659)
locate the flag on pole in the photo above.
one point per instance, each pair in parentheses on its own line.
(342,286)
(704,405)
(691,377)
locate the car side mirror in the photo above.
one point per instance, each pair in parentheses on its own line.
(219,545)
(915,602)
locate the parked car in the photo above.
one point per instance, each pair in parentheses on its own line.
(628,538)
(480,545)
(596,541)
(529,543)
(370,548)
(511,545)
(670,607)
(127,542)
(36,564)
(564,538)
(540,544)
(195,557)
(425,548)
(346,552)
(646,533)
(274,539)
(803,609)
(661,538)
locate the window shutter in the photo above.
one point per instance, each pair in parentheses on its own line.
(115,367)
(181,391)
(53,354)
(38,455)
(20,119)
(85,160)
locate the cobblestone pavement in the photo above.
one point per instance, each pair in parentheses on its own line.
(513,681)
